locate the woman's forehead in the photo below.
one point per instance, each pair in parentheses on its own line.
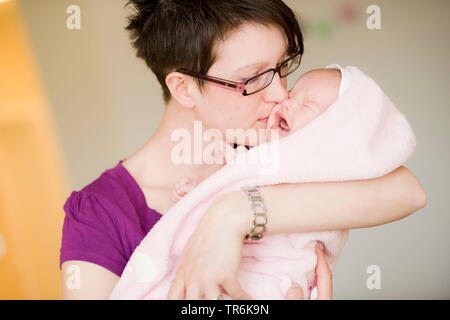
(252,46)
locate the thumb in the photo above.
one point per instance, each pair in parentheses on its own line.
(324,277)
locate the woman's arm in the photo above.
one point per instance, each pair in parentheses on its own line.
(307,207)
(85,280)
(211,258)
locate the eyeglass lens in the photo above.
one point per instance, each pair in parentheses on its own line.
(265,79)
(290,66)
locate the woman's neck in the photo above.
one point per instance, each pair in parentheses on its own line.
(154,162)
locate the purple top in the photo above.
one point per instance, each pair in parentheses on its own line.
(106,220)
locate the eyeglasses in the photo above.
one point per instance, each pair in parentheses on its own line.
(255,83)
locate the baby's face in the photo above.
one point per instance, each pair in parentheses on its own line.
(311,95)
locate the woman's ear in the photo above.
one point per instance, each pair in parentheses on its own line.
(182,88)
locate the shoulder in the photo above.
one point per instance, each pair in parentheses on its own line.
(82,206)
(104,204)
(106,220)
(112,203)
(95,222)
(110,185)
(110,193)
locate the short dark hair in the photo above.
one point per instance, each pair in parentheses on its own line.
(173,34)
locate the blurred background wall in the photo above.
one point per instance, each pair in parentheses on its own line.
(32,176)
(104,104)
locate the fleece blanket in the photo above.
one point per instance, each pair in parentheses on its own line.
(362,135)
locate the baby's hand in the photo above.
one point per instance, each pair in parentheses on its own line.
(182,188)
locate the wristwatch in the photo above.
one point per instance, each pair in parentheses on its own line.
(258,208)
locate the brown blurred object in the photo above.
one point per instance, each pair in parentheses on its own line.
(32,176)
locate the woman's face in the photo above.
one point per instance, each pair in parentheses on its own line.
(251,50)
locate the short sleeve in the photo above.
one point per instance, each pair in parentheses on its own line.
(89,234)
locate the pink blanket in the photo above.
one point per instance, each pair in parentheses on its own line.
(360,136)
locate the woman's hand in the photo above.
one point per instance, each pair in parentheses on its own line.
(211,258)
(324,280)
(212,255)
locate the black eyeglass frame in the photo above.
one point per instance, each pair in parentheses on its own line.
(240,86)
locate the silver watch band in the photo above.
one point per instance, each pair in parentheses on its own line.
(258,208)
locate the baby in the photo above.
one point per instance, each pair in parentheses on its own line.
(311,95)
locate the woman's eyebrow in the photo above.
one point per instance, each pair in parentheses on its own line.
(258,64)
(250,66)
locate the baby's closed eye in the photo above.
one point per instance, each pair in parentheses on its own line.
(312,105)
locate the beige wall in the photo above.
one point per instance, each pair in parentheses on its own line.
(106,103)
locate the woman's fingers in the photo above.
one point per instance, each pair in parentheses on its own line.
(323,273)
(234,290)
(193,292)
(212,292)
(177,290)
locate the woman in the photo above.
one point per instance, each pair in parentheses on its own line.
(181,41)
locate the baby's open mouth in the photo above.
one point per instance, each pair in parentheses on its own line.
(284,125)
(282,122)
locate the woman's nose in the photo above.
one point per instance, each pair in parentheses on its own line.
(287,106)
(276,92)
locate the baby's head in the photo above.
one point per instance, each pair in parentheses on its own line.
(311,95)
